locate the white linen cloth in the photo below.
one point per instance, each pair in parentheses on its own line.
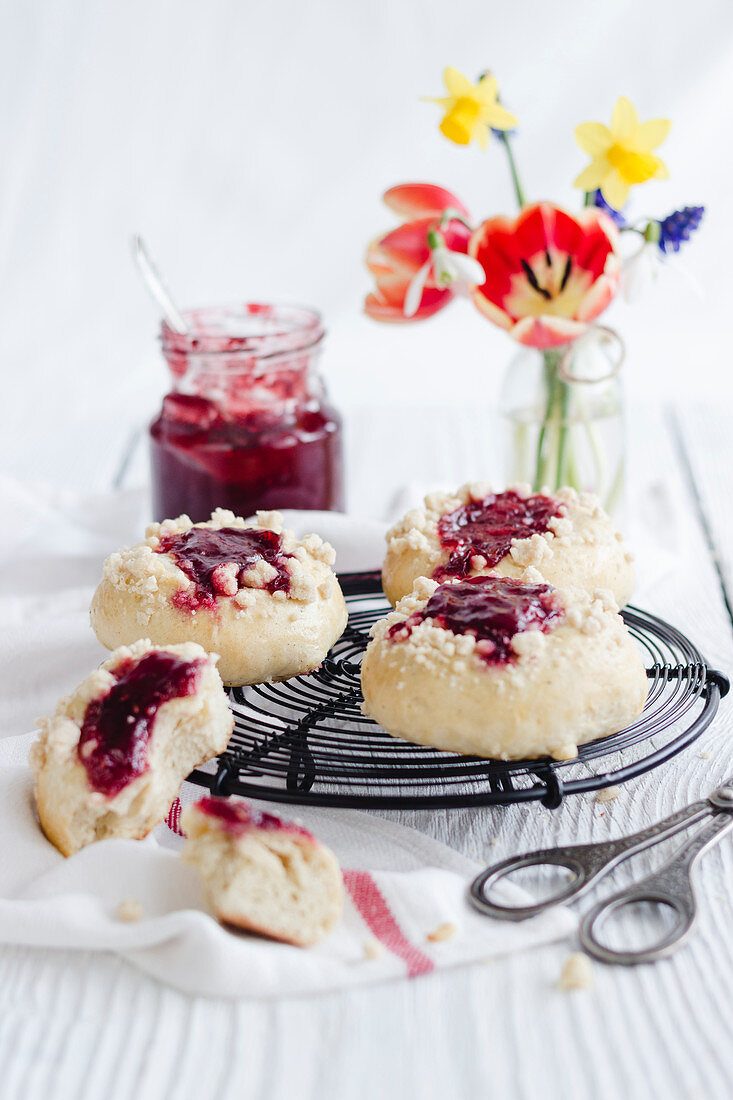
(401,885)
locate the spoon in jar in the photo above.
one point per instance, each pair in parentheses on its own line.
(155,283)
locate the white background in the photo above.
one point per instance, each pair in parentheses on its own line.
(250,143)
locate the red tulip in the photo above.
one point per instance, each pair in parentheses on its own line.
(548,274)
(397,259)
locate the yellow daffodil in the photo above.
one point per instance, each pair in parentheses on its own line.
(622,156)
(471,110)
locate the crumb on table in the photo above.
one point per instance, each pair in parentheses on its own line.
(373,949)
(577,972)
(130,910)
(444,931)
(608,794)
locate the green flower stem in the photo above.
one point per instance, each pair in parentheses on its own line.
(544,450)
(518,191)
(569,448)
(453,215)
(556,463)
(562,443)
(653,232)
(588,200)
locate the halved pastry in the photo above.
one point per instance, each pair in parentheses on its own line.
(111,759)
(262,874)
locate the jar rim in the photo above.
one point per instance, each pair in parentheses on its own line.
(258,330)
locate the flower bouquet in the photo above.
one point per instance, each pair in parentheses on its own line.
(545,277)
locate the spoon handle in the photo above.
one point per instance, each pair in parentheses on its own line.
(156,285)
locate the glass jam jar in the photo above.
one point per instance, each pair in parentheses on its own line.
(247,424)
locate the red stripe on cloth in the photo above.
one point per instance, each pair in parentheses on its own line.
(375,912)
(173,820)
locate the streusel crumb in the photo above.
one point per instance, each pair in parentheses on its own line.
(577,973)
(444,931)
(130,910)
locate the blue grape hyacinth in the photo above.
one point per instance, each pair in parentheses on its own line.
(616,215)
(677,227)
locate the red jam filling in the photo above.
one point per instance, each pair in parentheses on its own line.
(203,460)
(248,424)
(492,609)
(485,528)
(237,817)
(113,746)
(201,553)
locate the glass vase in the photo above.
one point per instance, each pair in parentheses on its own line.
(563,415)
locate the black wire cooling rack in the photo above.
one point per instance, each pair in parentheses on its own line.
(306,741)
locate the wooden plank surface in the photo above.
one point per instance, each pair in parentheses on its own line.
(704,436)
(80,1025)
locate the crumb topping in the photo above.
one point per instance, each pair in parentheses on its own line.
(220,561)
(489,525)
(484,615)
(430,639)
(297,570)
(573,519)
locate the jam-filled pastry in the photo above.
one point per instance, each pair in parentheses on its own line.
(111,759)
(268,604)
(567,536)
(262,874)
(503,668)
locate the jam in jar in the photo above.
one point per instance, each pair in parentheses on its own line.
(247,424)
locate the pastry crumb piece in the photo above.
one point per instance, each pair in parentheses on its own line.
(494,841)
(704,755)
(608,794)
(444,931)
(577,972)
(373,949)
(224,579)
(259,575)
(130,910)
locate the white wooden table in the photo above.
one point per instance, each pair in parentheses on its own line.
(85,1026)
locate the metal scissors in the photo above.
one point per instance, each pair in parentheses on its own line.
(669,886)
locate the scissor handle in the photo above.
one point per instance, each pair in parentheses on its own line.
(591,925)
(586,862)
(670,886)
